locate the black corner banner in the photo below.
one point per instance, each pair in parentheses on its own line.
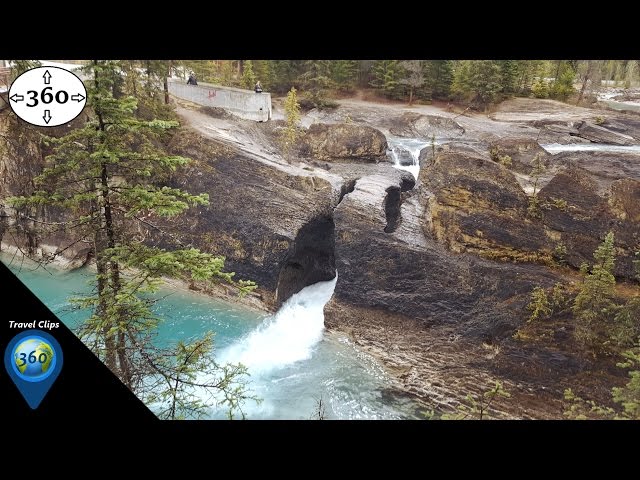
(84,390)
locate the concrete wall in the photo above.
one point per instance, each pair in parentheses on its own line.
(243,103)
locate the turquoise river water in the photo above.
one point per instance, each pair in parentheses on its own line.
(293,361)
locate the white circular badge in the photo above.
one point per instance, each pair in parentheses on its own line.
(47,96)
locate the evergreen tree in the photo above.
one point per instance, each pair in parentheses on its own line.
(593,306)
(413,76)
(386,77)
(564,76)
(509,71)
(263,73)
(478,81)
(290,134)
(317,81)
(107,176)
(248,77)
(343,74)
(438,77)
(287,73)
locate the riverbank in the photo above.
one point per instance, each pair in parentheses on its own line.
(434,270)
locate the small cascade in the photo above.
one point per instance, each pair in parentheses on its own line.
(405,153)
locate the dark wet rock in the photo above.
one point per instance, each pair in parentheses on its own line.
(263,220)
(582,217)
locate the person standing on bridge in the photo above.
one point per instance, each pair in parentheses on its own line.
(192,79)
(258,87)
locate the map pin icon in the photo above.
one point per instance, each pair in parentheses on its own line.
(33,360)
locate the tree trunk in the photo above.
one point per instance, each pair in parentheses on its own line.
(166,84)
(110,268)
(109,340)
(587,76)
(410,95)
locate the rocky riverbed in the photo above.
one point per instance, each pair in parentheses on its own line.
(435,271)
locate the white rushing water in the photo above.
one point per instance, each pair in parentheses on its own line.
(590,147)
(288,336)
(405,153)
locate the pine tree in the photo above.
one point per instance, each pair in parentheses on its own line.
(509,71)
(478,81)
(343,74)
(107,176)
(248,77)
(438,77)
(386,77)
(593,306)
(564,76)
(290,134)
(263,73)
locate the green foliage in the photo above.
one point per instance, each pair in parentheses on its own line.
(477,407)
(593,307)
(248,76)
(290,134)
(413,76)
(581,409)
(263,73)
(227,74)
(21,66)
(478,81)
(194,368)
(509,71)
(564,77)
(537,171)
(343,74)
(108,175)
(560,253)
(438,77)
(386,77)
(626,323)
(540,88)
(498,156)
(539,305)
(317,82)
(560,298)
(627,397)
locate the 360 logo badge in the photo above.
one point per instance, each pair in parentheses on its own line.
(33,359)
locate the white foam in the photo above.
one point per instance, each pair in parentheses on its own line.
(287,337)
(411,145)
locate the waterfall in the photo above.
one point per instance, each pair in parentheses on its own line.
(405,153)
(288,336)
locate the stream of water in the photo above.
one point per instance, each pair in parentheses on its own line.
(405,153)
(293,361)
(590,147)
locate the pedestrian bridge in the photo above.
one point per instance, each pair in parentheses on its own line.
(245,104)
